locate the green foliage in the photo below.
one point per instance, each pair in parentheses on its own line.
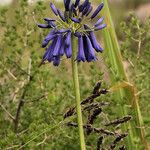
(46,92)
(136,51)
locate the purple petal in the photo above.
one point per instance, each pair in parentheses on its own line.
(49,19)
(77,3)
(52,24)
(73,9)
(68,39)
(86,27)
(61,15)
(48,38)
(67,4)
(68,45)
(86,9)
(68,50)
(56,61)
(45,42)
(99,8)
(62,48)
(100,27)
(81,54)
(83,5)
(77,34)
(49,52)
(54,9)
(88,49)
(63,31)
(94,42)
(57,45)
(43,26)
(76,20)
(89,11)
(99,21)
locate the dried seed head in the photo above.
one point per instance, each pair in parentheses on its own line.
(94,115)
(69,113)
(99,142)
(97,87)
(119,121)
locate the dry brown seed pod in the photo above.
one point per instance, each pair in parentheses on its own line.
(97,87)
(119,121)
(94,115)
(69,113)
(122,148)
(95,105)
(117,140)
(99,142)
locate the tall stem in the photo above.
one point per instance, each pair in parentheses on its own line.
(77,93)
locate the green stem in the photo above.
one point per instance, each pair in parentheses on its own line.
(77,94)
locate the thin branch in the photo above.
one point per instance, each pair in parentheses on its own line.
(16,64)
(43,142)
(7,112)
(17,91)
(21,102)
(139,43)
(12,147)
(38,99)
(11,74)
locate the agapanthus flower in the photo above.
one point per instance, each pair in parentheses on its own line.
(73,21)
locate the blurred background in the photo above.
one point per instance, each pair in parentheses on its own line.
(142,7)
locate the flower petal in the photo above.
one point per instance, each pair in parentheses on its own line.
(63,31)
(68,51)
(62,47)
(57,45)
(86,9)
(81,54)
(68,39)
(49,19)
(68,45)
(99,8)
(48,38)
(83,5)
(43,26)
(56,61)
(49,52)
(100,27)
(45,42)
(90,48)
(94,42)
(99,21)
(77,34)
(89,11)
(67,4)
(54,9)
(76,20)
(77,3)
(61,15)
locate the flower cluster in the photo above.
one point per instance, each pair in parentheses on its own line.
(72,23)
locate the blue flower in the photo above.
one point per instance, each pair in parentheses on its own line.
(71,23)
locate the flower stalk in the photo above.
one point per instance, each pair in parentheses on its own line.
(77,93)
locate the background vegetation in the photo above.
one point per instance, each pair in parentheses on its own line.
(41,95)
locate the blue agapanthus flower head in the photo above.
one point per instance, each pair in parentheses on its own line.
(72,22)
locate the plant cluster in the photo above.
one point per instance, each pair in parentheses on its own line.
(107,130)
(33,98)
